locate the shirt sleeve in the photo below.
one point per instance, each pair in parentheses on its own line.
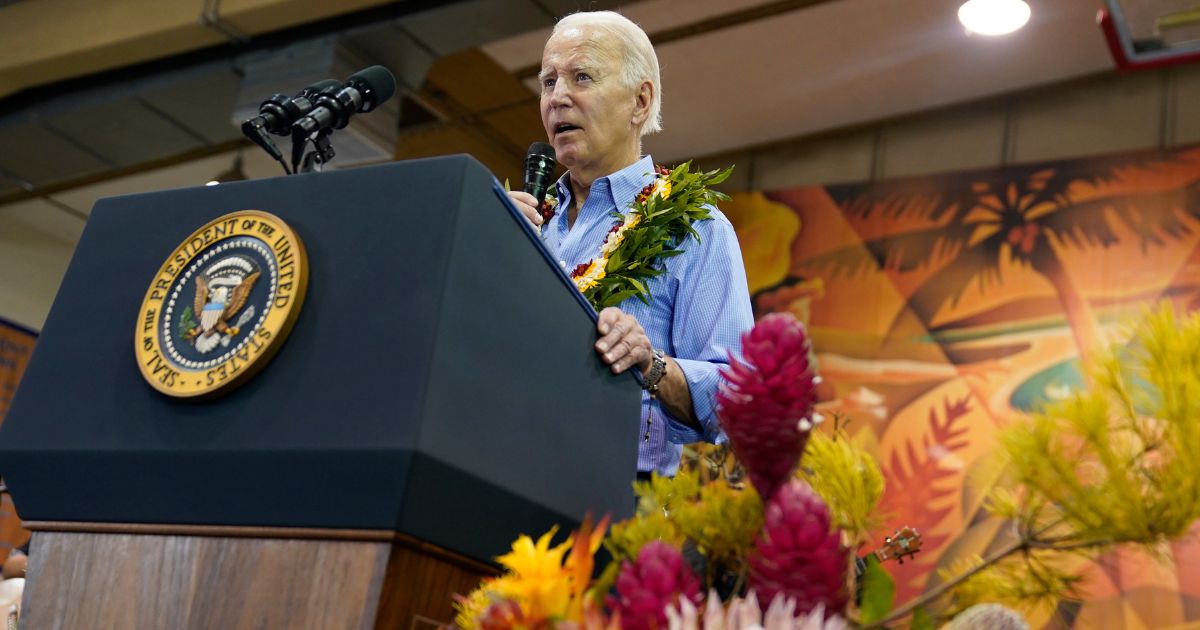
(712,310)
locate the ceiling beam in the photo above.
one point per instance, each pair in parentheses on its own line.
(707,25)
(142,167)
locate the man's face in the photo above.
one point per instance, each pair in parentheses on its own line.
(586,111)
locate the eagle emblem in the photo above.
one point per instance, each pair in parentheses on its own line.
(221,291)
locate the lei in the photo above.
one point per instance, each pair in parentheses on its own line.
(660,217)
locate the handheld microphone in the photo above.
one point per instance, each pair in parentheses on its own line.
(539,168)
(364,91)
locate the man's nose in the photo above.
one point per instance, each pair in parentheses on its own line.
(560,94)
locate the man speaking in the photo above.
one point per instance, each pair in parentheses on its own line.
(600,93)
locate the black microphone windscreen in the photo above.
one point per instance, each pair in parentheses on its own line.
(378,80)
(539,168)
(542,149)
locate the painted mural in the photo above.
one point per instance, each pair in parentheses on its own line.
(16,346)
(943,307)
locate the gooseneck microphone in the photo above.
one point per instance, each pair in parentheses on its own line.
(364,91)
(539,169)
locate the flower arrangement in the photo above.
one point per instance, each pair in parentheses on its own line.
(705,539)
(1113,466)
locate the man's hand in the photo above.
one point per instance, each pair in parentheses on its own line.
(622,342)
(527,205)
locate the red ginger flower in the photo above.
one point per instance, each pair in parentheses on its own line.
(766,403)
(799,555)
(658,579)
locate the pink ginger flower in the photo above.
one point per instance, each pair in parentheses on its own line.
(798,554)
(766,402)
(658,579)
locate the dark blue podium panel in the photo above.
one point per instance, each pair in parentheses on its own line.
(440,380)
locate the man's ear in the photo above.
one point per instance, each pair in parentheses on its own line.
(641,103)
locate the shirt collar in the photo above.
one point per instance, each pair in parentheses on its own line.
(622,186)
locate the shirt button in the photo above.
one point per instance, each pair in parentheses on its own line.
(562,263)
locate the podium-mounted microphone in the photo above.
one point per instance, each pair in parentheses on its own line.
(364,91)
(539,169)
(276,115)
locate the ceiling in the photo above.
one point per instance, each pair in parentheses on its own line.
(736,73)
(836,64)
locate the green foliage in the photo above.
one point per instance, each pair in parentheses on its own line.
(1119,463)
(187,322)
(664,224)
(848,479)
(723,523)
(921,620)
(626,539)
(658,498)
(1027,581)
(663,494)
(878,592)
(720,519)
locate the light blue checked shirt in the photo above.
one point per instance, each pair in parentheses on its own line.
(697,312)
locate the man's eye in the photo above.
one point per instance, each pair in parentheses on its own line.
(583,76)
(547,83)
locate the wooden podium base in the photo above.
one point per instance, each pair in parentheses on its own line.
(97,576)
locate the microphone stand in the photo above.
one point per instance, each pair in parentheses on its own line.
(312,161)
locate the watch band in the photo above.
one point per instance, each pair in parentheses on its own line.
(658,368)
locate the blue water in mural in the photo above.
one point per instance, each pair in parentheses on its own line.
(1049,385)
(1062,379)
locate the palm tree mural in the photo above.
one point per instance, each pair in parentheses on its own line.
(959,228)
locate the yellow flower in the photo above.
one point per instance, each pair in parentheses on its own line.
(592,275)
(537,579)
(662,187)
(847,477)
(468,609)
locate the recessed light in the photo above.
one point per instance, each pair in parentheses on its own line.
(993,17)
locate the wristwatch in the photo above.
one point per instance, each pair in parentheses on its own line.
(658,368)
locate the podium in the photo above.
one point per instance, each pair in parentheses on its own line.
(437,396)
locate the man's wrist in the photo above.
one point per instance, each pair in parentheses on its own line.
(653,375)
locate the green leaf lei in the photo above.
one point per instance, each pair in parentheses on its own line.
(660,218)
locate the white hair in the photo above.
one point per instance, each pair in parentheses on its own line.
(639,61)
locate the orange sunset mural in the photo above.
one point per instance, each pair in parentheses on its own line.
(943,307)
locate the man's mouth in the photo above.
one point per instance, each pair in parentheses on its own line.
(564,128)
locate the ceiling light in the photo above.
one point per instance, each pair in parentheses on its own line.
(993,17)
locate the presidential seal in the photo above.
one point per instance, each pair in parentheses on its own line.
(221,305)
